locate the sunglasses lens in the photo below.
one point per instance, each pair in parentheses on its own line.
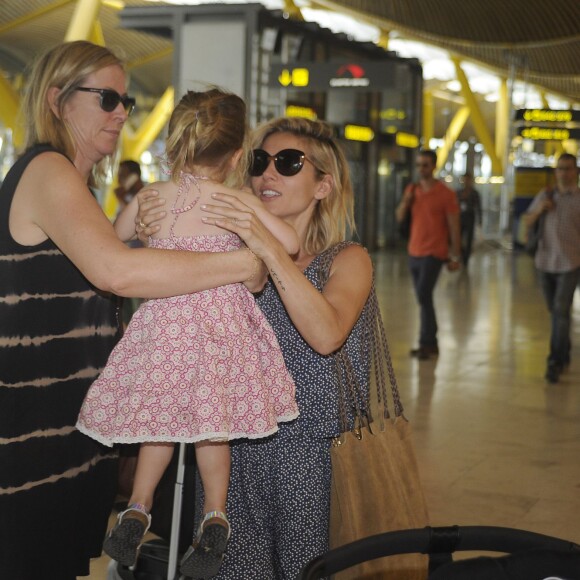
(128,104)
(289,162)
(109,100)
(260,160)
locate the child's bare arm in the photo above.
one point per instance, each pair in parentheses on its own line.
(125,222)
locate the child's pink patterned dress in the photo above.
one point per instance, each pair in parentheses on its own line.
(203,366)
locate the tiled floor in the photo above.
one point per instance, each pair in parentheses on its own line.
(496,444)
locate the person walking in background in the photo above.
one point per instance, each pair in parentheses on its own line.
(60,263)
(129,182)
(434,221)
(203,368)
(279,498)
(470,214)
(558,257)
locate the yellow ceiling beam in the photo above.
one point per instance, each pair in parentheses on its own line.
(452,135)
(33,15)
(292,10)
(477,119)
(502,120)
(9,110)
(97,36)
(446,95)
(82,24)
(384,38)
(114,4)
(134,144)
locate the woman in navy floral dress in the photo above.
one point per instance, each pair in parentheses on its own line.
(279,499)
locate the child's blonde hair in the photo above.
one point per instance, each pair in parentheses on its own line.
(206,129)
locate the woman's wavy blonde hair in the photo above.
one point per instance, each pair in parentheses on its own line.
(206,129)
(66,67)
(335,213)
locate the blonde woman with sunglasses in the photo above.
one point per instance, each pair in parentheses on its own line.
(61,263)
(279,497)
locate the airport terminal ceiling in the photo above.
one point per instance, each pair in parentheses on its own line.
(542,37)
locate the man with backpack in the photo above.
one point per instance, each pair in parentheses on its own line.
(558,257)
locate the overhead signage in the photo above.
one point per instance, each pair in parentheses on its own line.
(298,111)
(548,115)
(375,75)
(392,114)
(358,133)
(407,140)
(296,77)
(548,133)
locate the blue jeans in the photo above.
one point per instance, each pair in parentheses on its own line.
(425,272)
(559,293)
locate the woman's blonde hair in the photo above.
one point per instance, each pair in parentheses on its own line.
(66,67)
(206,129)
(333,214)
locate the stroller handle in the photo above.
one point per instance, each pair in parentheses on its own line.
(430,540)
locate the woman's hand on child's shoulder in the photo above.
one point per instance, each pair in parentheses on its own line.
(244,194)
(149,214)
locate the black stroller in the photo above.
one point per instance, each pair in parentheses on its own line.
(531,556)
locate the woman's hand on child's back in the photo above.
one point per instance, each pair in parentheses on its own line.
(234,215)
(149,214)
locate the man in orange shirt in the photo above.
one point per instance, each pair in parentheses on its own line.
(434,223)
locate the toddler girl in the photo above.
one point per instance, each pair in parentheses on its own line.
(201,368)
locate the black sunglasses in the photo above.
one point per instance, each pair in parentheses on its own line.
(109,99)
(287,162)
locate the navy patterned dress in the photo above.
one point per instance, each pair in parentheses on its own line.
(57,486)
(279,496)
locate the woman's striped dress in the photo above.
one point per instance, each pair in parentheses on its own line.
(56,485)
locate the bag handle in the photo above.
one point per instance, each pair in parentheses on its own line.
(374,344)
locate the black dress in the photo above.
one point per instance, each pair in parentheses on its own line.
(57,486)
